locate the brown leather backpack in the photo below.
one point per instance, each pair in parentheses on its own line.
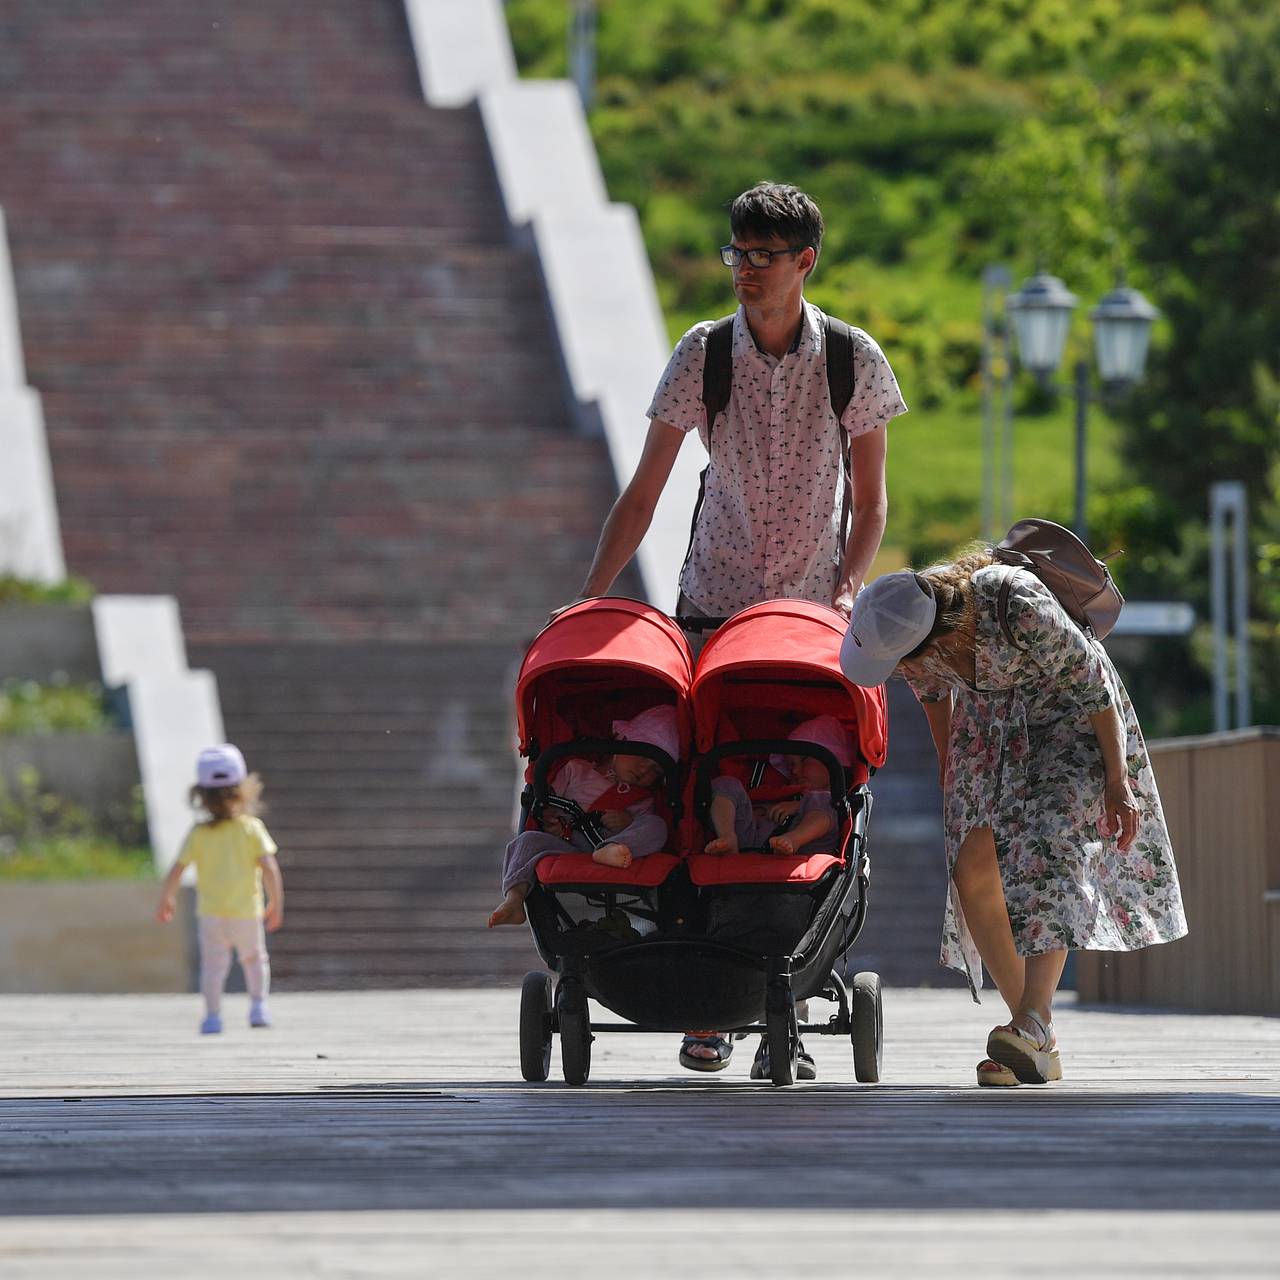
(1080,581)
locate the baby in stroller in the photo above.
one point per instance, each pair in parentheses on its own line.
(605,809)
(798,825)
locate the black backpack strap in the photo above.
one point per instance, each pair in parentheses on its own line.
(837,343)
(717,372)
(717,383)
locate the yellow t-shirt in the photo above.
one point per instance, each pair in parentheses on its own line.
(225,856)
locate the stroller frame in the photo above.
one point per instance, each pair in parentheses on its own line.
(678,975)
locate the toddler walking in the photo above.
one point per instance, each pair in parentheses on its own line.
(232,852)
(801,825)
(617,789)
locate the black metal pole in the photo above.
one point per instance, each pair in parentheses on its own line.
(1082,413)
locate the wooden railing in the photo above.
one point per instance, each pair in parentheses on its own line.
(1221,797)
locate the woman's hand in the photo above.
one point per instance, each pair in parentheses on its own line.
(1119,813)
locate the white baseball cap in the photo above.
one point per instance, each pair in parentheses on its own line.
(220,766)
(890,618)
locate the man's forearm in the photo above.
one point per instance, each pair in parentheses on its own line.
(864,541)
(623,531)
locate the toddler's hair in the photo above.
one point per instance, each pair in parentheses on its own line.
(225,803)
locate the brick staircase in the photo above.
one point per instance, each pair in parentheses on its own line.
(295,374)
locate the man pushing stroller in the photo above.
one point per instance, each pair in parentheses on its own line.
(793,502)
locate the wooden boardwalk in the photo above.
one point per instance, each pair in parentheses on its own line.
(389,1134)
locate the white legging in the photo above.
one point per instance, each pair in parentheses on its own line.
(218,935)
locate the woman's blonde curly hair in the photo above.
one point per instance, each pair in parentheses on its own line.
(955,625)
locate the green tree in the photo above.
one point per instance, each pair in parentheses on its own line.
(1207,213)
(1207,209)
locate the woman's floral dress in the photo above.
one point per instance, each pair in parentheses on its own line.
(1023,759)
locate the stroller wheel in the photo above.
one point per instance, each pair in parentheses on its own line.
(784,1038)
(867,1034)
(575,1031)
(535,1026)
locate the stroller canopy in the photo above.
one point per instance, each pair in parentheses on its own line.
(606,643)
(785,653)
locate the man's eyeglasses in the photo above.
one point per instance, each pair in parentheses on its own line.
(731,255)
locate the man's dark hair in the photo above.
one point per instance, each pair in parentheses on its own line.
(775,209)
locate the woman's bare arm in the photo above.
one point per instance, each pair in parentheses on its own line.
(938,714)
(1119,809)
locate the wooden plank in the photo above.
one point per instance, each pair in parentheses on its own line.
(375,1121)
(1224,821)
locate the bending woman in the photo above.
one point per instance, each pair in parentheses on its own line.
(1055,838)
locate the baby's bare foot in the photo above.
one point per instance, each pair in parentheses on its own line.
(613,855)
(782,844)
(722,844)
(509,911)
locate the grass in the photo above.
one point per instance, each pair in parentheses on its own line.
(74,858)
(934,472)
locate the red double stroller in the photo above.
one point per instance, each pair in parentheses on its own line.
(682,938)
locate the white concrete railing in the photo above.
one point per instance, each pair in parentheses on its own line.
(30,540)
(605,307)
(175,710)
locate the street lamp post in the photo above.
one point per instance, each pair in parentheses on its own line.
(582,50)
(1122,321)
(995,499)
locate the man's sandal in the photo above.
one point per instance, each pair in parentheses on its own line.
(992,1075)
(1032,1056)
(723,1051)
(806,1068)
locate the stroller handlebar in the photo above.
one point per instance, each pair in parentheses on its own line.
(696,622)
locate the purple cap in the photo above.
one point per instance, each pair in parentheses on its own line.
(220,766)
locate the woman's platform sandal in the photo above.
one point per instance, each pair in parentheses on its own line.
(1032,1056)
(992,1075)
(723,1049)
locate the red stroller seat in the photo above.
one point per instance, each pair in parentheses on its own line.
(767,669)
(598,661)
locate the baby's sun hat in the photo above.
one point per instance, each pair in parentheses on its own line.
(656,726)
(827,732)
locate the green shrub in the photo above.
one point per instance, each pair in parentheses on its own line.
(45,837)
(22,591)
(30,708)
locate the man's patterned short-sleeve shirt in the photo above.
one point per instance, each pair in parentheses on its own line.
(770,522)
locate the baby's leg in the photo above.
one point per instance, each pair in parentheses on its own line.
(215,961)
(522,856)
(511,909)
(814,830)
(612,855)
(730,815)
